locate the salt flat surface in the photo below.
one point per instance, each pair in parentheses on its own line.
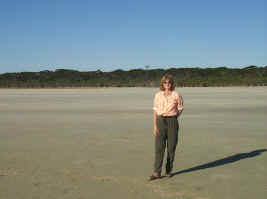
(98,142)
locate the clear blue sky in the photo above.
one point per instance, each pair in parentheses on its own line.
(88,35)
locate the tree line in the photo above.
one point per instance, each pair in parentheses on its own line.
(184,77)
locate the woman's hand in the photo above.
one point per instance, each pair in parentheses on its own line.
(156,131)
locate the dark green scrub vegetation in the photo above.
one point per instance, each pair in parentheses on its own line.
(184,77)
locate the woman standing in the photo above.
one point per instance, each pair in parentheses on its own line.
(168,105)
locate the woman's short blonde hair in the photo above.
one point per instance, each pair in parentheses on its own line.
(169,78)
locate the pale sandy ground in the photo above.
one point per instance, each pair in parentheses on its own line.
(98,143)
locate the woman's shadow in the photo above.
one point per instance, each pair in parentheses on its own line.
(223,161)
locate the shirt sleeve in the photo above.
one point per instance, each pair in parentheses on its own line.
(155,105)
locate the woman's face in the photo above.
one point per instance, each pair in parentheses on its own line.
(167,84)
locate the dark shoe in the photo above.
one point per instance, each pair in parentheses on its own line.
(169,175)
(154,177)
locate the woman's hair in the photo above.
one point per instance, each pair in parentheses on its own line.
(169,78)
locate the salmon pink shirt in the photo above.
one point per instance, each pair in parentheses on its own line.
(168,105)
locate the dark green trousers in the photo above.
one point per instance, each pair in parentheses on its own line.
(168,135)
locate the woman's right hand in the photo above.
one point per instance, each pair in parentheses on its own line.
(156,131)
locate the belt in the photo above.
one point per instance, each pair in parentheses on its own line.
(172,116)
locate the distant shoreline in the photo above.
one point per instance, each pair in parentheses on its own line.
(132,87)
(184,77)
